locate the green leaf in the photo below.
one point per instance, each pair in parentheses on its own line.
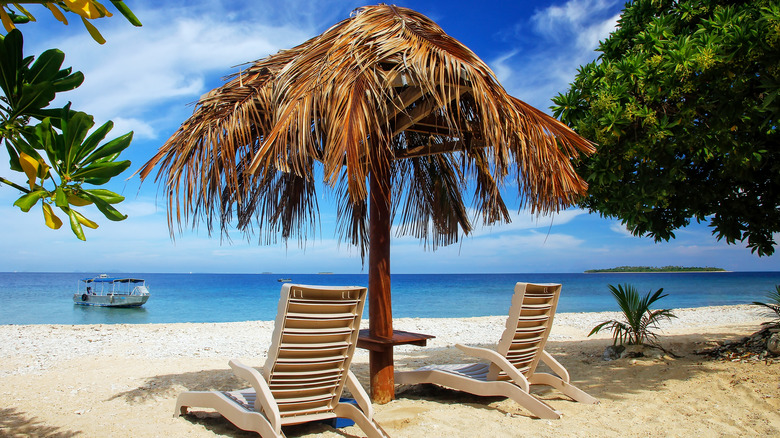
(33,97)
(111,149)
(66,81)
(125,10)
(14,158)
(105,195)
(60,198)
(599,327)
(108,211)
(10,63)
(58,115)
(29,147)
(101,170)
(31,86)
(74,130)
(77,198)
(75,225)
(46,67)
(92,142)
(45,138)
(26,202)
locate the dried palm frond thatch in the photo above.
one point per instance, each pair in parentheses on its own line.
(385,87)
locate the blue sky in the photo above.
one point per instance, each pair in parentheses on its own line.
(144,80)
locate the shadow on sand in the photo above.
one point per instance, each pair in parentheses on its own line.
(16,424)
(611,380)
(168,386)
(605,380)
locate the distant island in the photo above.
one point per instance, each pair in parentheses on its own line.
(640,269)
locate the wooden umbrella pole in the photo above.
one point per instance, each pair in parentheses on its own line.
(380,312)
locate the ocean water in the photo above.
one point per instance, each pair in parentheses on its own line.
(46,298)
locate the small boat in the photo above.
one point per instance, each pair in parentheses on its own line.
(284,280)
(105,291)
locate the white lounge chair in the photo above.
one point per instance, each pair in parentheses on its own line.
(307,368)
(511,369)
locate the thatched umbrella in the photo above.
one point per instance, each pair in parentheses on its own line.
(391,109)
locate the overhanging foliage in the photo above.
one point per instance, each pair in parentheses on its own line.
(683,103)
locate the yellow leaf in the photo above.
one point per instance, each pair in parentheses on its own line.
(84,221)
(93,31)
(102,9)
(25,11)
(85,8)
(52,221)
(78,202)
(7,23)
(57,13)
(30,167)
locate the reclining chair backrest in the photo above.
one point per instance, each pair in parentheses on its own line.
(312,345)
(527,327)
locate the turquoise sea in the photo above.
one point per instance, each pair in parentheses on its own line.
(46,298)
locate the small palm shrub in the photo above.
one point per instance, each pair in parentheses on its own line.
(773,298)
(639,319)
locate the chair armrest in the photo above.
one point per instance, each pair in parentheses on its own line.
(555,366)
(264,397)
(357,391)
(500,361)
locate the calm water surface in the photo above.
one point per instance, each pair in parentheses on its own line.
(46,298)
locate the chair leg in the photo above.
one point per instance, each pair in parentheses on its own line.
(239,416)
(528,401)
(370,427)
(481,388)
(568,389)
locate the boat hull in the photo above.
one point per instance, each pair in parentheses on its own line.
(115,300)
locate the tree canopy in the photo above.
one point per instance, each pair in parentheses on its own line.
(683,104)
(53,147)
(58,155)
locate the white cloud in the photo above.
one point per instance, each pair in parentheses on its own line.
(136,208)
(530,242)
(576,18)
(621,229)
(567,35)
(502,67)
(520,221)
(141,129)
(527,251)
(174,58)
(524,220)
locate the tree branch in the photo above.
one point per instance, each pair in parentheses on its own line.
(13,184)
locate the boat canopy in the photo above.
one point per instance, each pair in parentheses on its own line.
(111,280)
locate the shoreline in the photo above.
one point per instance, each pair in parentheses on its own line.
(123,380)
(49,343)
(558,315)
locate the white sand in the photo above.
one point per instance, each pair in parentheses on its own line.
(122,380)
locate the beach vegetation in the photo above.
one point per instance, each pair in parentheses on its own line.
(640,320)
(772,303)
(684,104)
(14,13)
(641,269)
(55,149)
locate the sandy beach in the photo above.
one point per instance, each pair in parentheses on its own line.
(123,380)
